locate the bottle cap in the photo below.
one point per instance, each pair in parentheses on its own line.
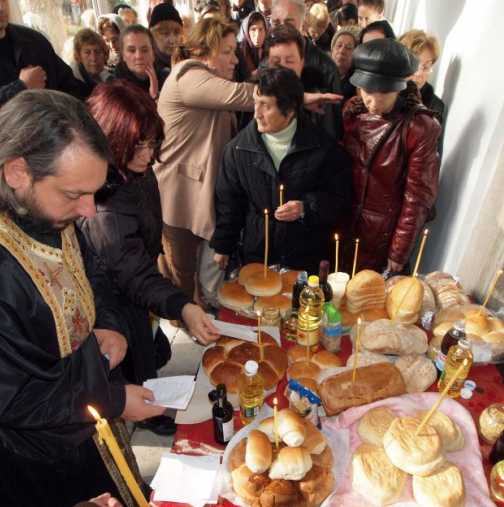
(251,368)
(463,343)
(466,393)
(313,281)
(333,315)
(302,277)
(459,325)
(470,384)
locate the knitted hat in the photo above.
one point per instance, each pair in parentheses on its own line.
(382,65)
(164,12)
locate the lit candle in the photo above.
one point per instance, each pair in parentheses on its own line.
(336,257)
(266,241)
(105,434)
(282,194)
(420,252)
(275,421)
(259,336)
(356,352)
(356,253)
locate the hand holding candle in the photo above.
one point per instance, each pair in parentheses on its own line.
(420,252)
(336,256)
(356,254)
(356,351)
(105,435)
(266,241)
(275,422)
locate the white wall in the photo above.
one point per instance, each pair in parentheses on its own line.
(470,79)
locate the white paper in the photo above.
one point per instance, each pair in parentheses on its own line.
(186,479)
(172,392)
(247,333)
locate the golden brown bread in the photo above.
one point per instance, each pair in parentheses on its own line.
(237,455)
(374,424)
(291,464)
(372,383)
(232,295)
(248,270)
(324,359)
(404,301)
(303,369)
(314,441)
(228,343)
(280,302)
(325,459)
(280,492)
(364,291)
(247,351)
(259,285)
(258,452)
(212,357)
(248,485)
(291,428)
(226,373)
(268,374)
(296,353)
(316,485)
(277,359)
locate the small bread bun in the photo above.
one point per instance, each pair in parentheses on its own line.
(266,426)
(247,351)
(248,270)
(212,357)
(296,353)
(303,369)
(324,359)
(314,441)
(237,455)
(316,485)
(282,303)
(260,285)
(291,464)
(415,455)
(226,373)
(375,477)
(258,453)
(288,280)
(445,488)
(374,424)
(291,428)
(228,343)
(280,493)
(451,436)
(248,485)
(232,295)
(325,459)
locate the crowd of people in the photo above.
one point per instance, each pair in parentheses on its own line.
(135,178)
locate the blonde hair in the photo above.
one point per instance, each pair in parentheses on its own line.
(318,17)
(206,36)
(417,41)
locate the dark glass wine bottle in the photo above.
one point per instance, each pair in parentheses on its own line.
(222,415)
(324,285)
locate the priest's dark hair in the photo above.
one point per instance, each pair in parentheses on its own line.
(38,125)
(285,86)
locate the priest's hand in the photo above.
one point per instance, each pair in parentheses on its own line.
(113,344)
(315,101)
(136,408)
(290,211)
(199,324)
(106,500)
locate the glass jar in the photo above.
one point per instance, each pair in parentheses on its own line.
(491,422)
(271,317)
(497,482)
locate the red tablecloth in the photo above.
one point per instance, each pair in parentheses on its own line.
(490,389)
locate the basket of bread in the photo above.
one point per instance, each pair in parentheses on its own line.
(293,468)
(255,290)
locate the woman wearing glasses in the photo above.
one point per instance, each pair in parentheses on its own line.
(125,233)
(426,48)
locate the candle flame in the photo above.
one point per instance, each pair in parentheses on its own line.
(359,321)
(357,241)
(94,412)
(281,187)
(275,401)
(336,237)
(266,211)
(426,232)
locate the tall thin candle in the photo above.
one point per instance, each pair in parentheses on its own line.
(336,256)
(420,251)
(282,188)
(356,351)
(266,241)
(356,254)
(275,422)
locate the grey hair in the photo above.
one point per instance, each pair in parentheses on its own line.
(37,125)
(298,3)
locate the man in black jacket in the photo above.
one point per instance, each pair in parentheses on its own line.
(280,146)
(321,73)
(28,61)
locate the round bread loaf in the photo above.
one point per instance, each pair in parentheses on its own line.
(258,453)
(277,359)
(324,359)
(450,433)
(280,493)
(364,291)
(445,488)
(418,372)
(303,369)
(375,477)
(280,302)
(404,301)
(248,270)
(232,295)
(314,441)
(247,351)
(291,464)
(416,455)
(226,373)
(260,285)
(228,343)
(374,424)
(291,428)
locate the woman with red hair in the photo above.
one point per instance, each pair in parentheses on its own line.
(126,232)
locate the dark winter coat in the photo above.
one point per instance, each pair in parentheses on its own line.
(395,176)
(122,72)
(31,48)
(126,235)
(431,101)
(315,171)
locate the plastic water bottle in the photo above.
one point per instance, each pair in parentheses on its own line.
(310,313)
(330,328)
(251,392)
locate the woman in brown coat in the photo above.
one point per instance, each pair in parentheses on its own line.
(392,139)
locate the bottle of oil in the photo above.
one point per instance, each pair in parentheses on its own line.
(251,392)
(311,303)
(456,356)
(290,326)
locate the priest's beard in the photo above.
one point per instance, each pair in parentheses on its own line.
(35,218)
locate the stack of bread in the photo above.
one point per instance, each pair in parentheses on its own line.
(296,474)
(223,363)
(372,383)
(405,299)
(447,291)
(365,291)
(391,451)
(238,294)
